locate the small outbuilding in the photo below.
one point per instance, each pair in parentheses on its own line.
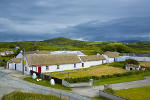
(93,60)
(110,56)
(132,67)
(15,64)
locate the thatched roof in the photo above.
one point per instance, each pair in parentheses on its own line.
(51,59)
(43,52)
(15,60)
(111,54)
(92,58)
(132,65)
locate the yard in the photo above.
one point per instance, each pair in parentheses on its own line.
(17,95)
(140,93)
(92,71)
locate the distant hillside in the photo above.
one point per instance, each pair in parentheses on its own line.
(87,47)
(64,41)
(59,39)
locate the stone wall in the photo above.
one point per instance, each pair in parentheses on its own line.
(110,96)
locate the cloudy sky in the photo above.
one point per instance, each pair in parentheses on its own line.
(95,20)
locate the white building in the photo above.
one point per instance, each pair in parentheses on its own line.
(2,54)
(110,56)
(132,67)
(92,60)
(15,63)
(42,63)
(79,53)
(9,52)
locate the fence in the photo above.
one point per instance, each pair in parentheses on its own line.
(48,78)
(110,96)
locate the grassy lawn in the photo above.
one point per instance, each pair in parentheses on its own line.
(92,71)
(140,93)
(122,79)
(30,96)
(47,84)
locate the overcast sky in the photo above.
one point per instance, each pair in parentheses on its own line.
(22,20)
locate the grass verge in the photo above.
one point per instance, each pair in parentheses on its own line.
(17,95)
(99,98)
(140,93)
(47,84)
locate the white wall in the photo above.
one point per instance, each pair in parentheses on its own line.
(12,66)
(19,55)
(109,60)
(123,58)
(92,63)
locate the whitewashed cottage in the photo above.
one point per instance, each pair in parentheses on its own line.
(42,62)
(110,56)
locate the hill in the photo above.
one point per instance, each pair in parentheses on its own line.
(87,47)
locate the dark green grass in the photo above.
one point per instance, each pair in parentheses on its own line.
(17,95)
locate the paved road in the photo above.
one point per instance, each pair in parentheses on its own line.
(9,84)
(93,91)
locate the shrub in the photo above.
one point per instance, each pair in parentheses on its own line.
(117,64)
(109,90)
(132,61)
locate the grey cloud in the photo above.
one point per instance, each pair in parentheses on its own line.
(55,17)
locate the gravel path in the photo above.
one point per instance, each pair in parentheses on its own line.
(9,84)
(93,91)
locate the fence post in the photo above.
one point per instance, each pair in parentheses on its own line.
(60,95)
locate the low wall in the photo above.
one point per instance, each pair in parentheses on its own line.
(110,96)
(48,78)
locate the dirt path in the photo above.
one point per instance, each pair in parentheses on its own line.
(9,83)
(93,91)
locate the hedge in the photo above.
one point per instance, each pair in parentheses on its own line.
(86,79)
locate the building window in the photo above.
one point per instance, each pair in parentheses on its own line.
(74,65)
(57,66)
(47,67)
(82,64)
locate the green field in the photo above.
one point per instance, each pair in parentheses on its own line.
(140,93)
(122,79)
(47,84)
(17,95)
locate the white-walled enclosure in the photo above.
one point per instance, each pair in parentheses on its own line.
(123,58)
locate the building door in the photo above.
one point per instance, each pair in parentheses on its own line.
(15,66)
(82,64)
(39,69)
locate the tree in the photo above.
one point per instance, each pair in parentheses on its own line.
(132,61)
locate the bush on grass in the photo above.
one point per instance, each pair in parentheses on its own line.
(109,90)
